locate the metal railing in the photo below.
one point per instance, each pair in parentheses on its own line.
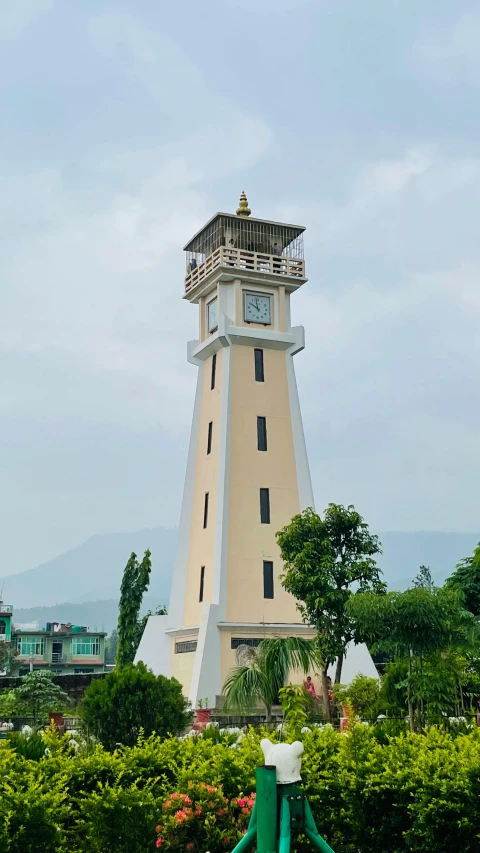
(58,657)
(244,260)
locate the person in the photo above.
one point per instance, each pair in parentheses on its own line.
(230,252)
(310,687)
(193,264)
(277,250)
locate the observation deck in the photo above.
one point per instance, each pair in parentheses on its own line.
(239,246)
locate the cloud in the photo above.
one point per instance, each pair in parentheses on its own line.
(17,15)
(449,53)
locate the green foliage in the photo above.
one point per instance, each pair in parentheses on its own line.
(466,580)
(31,747)
(37,695)
(8,655)
(135,581)
(132,699)
(327,562)
(296,704)
(111,645)
(428,629)
(363,693)
(119,818)
(266,671)
(202,818)
(371,790)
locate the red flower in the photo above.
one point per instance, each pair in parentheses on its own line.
(180,815)
(167,804)
(159,842)
(158,828)
(190,845)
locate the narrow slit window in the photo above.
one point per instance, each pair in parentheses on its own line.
(265,506)
(267,579)
(214,370)
(205,510)
(259,373)
(209,438)
(261,433)
(202,583)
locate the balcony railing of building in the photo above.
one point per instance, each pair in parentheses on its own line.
(242,259)
(58,657)
(6,608)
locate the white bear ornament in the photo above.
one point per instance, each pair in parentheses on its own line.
(286,757)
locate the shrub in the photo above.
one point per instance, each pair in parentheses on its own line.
(202,818)
(130,699)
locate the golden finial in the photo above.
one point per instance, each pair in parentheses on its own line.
(243,208)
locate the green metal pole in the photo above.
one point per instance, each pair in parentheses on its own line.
(285,827)
(266,802)
(312,831)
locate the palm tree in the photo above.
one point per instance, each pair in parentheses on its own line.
(266,670)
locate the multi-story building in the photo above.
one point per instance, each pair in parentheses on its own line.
(62,648)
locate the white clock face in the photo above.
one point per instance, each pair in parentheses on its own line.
(212,315)
(257,308)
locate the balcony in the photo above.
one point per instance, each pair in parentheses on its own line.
(58,657)
(245,260)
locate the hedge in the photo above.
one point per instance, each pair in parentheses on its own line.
(412,793)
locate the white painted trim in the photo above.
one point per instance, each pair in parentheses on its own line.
(179,580)
(265,626)
(304,481)
(219,582)
(206,676)
(176,632)
(154,648)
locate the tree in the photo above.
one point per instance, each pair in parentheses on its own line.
(135,581)
(466,579)
(8,653)
(425,627)
(111,645)
(266,671)
(130,699)
(327,561)
(37,695)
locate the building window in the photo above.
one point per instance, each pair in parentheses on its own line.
(31,646)
(267,579)
(265,506)
(259,374)
(205,511)
(253,642)
(262,433)
(209,438)
(214,370)
(202,583)
(86,646)
(3,628)
(185,646)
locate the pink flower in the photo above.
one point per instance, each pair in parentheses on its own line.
(198,811)
(186,799)
(159,842)
(210,789)
(180,815)
(241,803)
(190,845)
(167,804)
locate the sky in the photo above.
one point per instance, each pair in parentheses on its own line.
(124,127)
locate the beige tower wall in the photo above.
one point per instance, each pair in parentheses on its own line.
(249,541)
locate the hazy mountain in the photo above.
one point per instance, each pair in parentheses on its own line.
(93,570)
(97,615)
(88,578)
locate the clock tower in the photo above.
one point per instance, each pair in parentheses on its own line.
(247,470)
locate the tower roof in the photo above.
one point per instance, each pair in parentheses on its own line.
(287,232)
